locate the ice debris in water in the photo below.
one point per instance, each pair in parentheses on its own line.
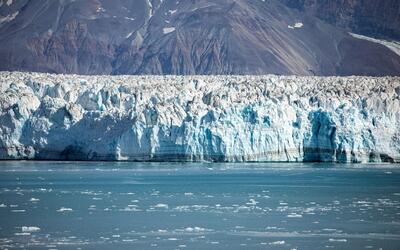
(65,209)
(279,242)
(161,206)
(30,229)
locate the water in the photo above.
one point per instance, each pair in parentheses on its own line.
(49,205)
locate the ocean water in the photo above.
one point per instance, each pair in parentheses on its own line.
(78,205)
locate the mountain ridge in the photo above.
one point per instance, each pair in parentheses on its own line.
(191,37)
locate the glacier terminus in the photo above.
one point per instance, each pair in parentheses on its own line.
(199,118)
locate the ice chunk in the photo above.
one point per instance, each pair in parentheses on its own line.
(279,242)
(30,229)
(65,209)
(337,240)
(161,206)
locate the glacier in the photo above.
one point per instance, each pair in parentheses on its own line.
(199,118)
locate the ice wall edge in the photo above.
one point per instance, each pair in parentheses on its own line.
(199,118)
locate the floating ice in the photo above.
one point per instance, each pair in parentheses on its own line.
(279,242)
(22,234)
(172,11)
(294,215)
(337,240)
(161,206)
(65,209)
(30,229)
(252,202)
(392,45)
(18,210)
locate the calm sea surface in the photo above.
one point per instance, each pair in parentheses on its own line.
(75,205)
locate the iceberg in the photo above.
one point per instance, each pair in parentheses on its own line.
(199,118)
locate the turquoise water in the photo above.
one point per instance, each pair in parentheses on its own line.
(52,205)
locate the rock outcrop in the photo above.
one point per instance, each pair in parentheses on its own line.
(199,118)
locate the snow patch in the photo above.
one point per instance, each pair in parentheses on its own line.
(150,5)
(279,242)
(297,25)
(18,210)
(168,30)
(129,35)
(195,229)
(392,45)
(100,9)
(8,18)
(161,206)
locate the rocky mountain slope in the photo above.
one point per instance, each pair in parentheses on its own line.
(196,118)
(300,37)
(379,19)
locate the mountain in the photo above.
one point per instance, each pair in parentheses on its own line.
(380,19)
(299,37)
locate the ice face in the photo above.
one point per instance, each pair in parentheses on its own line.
(199,118)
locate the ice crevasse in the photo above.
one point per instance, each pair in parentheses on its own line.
(199,118)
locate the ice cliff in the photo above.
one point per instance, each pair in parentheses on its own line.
(196,118)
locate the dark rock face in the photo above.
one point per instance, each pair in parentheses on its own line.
(199,36)
(369,17)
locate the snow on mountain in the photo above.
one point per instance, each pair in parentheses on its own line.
(285,37)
